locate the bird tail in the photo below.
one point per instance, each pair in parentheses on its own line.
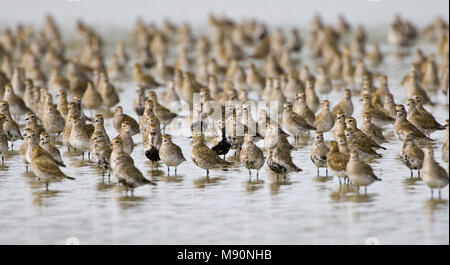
(298,169)
(146,181)
(67,177)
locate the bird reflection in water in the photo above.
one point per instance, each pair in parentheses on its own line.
(207,181)
(349,193)
(253,185)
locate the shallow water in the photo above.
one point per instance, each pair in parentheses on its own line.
(227,207)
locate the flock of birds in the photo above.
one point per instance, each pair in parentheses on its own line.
(234,60)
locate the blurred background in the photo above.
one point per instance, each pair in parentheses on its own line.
(122,13)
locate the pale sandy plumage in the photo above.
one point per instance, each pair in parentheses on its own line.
(360,173)
(143,79)
(35,150)
(80,135)
(10,127)
(16,104)
(357,145)
(302,109)
(433,174)
(402,126)
(379,117)
(371,130)
(128,175)
(351,123)
(337,161)
(91,98)
(345,105)
(411,155)
(204,157)
(52,120)
(251,156)
(120,117)
(45,143)
(170,153)
(117,151)
(126,136)
(324,120)
(293,122)
(423,121)
(319,151)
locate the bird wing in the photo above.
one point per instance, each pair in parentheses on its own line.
(44,164)
(302,123)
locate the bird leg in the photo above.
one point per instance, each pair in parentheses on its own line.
(168,171)
(207,173)
(175,171)
(326,172)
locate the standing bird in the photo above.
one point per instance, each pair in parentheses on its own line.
(139,102)
(80,135)
(360,173)
(302,109)
(294,123)
(120,117)
(52,120)
(280,161)
(128,175)
(43,165)
(170,153)
(433,174)
(359,146)
(379,117)
(350,122)
(324,120)
(162,113)
(3,139)
(152,143)
(142,79)
(337,161)
(319,152)
(345,105)
(402,126)
(10,127)
(126,137)
(423,121)
(251,156)
(16,104)
(411,155)
(371,130)
(204,157)
(49,147)
(223,146)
